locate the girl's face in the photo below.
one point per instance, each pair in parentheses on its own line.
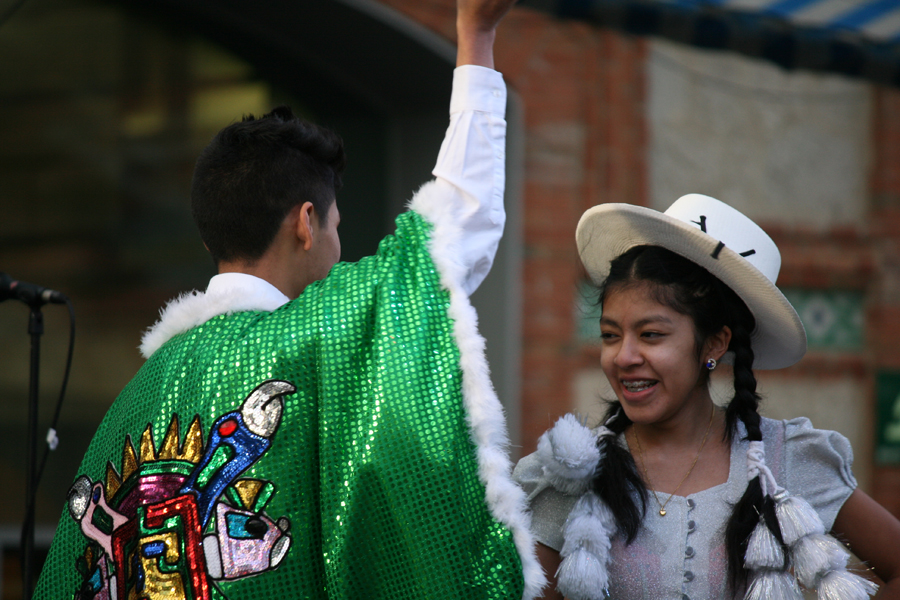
(649,354)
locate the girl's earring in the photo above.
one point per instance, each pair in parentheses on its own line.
(711,364)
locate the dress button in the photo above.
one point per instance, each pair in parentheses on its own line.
(691,526)
(688,576)
(691,503)
(689,552)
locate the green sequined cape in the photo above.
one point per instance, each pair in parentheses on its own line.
(322,450)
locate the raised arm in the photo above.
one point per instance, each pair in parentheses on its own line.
(467,194)
(476,25)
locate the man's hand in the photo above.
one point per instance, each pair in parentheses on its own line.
(476,24)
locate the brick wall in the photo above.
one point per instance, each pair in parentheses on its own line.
(884,312)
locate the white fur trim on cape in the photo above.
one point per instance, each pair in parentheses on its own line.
(487,423)
(191,309)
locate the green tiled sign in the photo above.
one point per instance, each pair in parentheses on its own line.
(887,452)
(587,314)
(833,318)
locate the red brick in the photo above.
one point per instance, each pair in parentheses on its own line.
(886,141)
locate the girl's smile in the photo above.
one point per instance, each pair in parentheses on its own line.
(651,357)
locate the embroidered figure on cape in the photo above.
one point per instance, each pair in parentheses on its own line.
(175,521)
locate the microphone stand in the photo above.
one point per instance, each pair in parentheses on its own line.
(35,297)
(35,330)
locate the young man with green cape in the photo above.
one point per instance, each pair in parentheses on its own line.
(307,429)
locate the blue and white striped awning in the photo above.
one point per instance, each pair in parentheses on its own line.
(876,20)
(856,37)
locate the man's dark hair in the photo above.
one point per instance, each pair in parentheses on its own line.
(254,172)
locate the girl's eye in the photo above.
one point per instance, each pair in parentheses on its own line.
(605,335)
(651,334)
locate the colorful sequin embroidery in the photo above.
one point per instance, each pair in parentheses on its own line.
(176,520)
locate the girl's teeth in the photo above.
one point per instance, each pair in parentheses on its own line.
(637,386)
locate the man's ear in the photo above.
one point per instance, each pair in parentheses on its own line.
(304,226)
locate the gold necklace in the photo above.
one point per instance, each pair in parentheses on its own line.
(662,505)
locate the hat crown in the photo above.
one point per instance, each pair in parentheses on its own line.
(731,229)
(716,237)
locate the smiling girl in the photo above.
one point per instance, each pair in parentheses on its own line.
(674,497)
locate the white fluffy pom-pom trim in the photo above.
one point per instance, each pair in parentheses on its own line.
(764,551)
(815,555)
(582,576)
(570,455)
(797,519)
(589,526)
(774,585)
(843,585)
(583,573)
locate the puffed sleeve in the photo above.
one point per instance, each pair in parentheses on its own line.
(818,466)
(549,507)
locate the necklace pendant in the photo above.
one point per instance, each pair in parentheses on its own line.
(662,512)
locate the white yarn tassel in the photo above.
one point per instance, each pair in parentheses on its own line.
(583,573)
(818,560)
(590,528)
(569,454)
(764,554)
(797,519)
(774,585)
(814,556)
(843,585)
(756,466)
(579,575)
(763,550)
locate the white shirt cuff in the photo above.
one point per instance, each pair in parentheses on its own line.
(479,89)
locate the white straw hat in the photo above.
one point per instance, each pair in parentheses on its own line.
(719,239)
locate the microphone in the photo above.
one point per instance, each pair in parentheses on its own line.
(29,293)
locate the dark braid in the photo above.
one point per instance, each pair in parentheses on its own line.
(752,504)
(618,480)
(745,403)
(691,290)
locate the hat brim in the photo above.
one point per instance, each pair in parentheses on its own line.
(608,230)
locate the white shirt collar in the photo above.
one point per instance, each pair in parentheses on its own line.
(226,293)
(257,292)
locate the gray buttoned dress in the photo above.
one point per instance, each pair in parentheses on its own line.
(681,556)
